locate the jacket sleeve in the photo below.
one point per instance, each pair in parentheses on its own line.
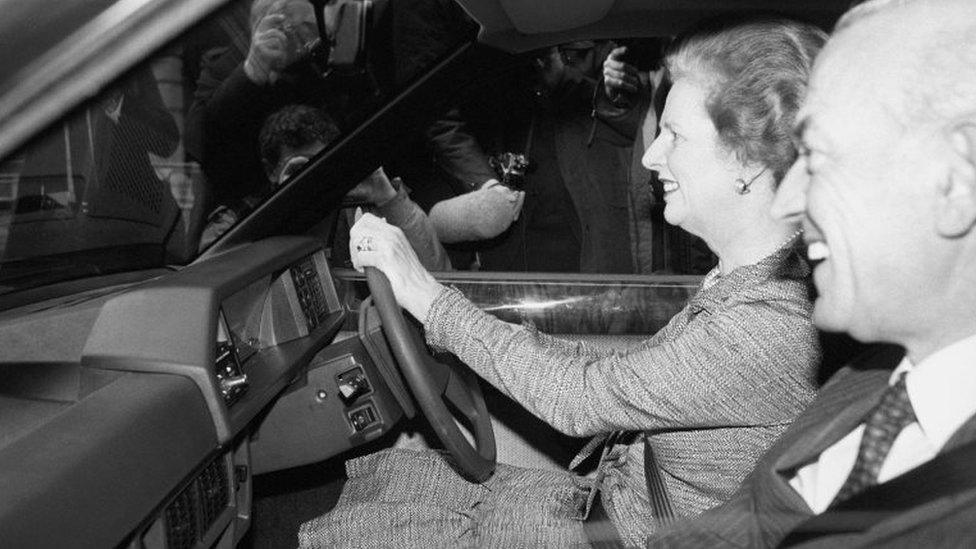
(745,366)
(407,215)
(760,513)
(457,151)
(230,115)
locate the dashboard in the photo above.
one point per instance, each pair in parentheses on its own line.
(137,416)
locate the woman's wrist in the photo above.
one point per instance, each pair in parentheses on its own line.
(422,297)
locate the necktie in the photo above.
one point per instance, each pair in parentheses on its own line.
(892,414)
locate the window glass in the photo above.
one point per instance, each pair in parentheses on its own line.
(163,161)
(537,171)
(514,167)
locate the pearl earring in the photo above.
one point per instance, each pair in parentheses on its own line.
(741,186)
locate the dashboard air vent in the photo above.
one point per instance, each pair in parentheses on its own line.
(197,506)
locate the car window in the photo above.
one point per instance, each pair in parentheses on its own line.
(533,169)
(512,166)
(102,190)
(162,161)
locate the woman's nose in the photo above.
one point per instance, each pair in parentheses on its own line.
(653,158)
(790,202)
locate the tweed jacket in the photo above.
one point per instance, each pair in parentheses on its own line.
(766,508)
(712,389)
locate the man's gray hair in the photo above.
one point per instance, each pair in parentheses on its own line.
(865,8)
(937,68)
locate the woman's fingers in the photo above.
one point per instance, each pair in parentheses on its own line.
(375,243)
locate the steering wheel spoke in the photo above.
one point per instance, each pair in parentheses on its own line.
(457,393)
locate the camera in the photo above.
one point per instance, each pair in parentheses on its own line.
(644,53)
(511,168)
(346,49)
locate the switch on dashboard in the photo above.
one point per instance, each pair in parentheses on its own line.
(352,385)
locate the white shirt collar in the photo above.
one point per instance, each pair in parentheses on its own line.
(942,389)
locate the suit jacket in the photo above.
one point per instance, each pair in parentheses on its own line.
(766,508)
(579,174)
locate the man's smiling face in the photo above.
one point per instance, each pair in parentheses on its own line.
(862,189)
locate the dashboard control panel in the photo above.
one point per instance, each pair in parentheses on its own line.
(311,293)
(352,385)
(231,380)
(363,417)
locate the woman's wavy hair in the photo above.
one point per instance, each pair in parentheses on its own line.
(755,73)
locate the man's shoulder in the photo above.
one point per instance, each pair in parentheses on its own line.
(860,377)
(875,362)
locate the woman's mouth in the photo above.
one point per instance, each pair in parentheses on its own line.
(669,186)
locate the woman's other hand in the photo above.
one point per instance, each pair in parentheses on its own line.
(375,243)
(620,79)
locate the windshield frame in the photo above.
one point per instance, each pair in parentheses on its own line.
(83,57)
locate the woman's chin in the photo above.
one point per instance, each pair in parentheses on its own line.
(673,215)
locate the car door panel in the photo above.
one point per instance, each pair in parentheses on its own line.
(566,304)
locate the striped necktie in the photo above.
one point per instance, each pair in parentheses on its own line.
(892,414)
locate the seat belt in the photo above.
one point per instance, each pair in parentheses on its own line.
(599,528)
(656,490)
(946,474)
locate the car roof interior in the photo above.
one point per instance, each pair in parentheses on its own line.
(522,26)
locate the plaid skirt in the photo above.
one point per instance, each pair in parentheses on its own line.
(406,498)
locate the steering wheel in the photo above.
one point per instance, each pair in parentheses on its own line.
(433,382)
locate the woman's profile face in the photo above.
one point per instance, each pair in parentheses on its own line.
(698,173)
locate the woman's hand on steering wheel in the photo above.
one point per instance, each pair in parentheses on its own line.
(375,243)
(383,248)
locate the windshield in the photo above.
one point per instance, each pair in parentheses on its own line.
(165,159)
(514,162)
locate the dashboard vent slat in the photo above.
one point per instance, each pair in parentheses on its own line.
(191,513)
(181,521)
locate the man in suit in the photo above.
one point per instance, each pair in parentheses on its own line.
(886,188)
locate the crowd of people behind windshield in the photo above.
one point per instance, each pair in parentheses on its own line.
(239,95)
(544,188)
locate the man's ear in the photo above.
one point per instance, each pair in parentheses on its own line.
(956,203)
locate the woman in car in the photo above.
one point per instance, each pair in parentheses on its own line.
(706,395)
